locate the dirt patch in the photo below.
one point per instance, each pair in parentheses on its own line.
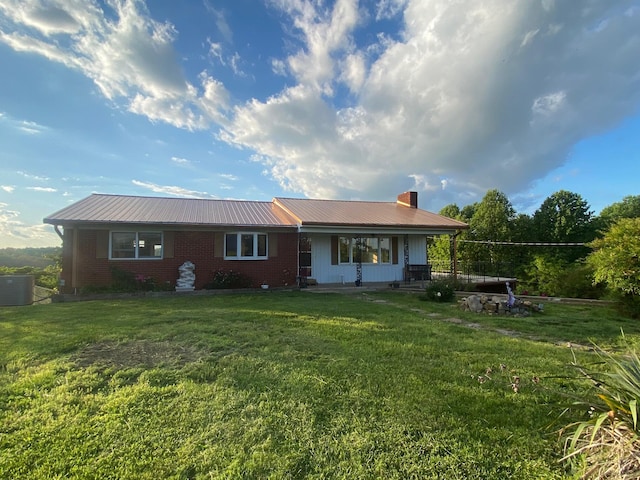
(137,353)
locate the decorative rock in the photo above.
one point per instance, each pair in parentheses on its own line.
(474,303)
(502,305)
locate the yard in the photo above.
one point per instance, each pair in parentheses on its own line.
(287,385)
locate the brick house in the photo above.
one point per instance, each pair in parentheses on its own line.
(277,242)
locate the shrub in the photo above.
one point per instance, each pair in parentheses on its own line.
(123,281)
(555,277)
(228,279)
(616,262)
(606,444)
(440,291)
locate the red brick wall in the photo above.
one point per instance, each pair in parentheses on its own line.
(195,246)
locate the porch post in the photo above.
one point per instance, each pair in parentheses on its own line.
(455,255)
(358,261)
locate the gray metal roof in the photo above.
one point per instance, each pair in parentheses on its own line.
(281,212)
(369,214)
(110,209)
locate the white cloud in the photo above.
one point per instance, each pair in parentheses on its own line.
(486,94)
(180,161)
(229,176)
(220,21)
(548,104)
(278,67)
(171,190)
(467,96)
(326,32)
(130,58)
(42,189)
(31,176)
(386,9)
(8,188)
(354,72)
(25,126)
(16,234)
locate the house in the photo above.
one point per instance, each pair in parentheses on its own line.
(277,242)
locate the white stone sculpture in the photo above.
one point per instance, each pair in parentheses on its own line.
(187,277)
(511,298)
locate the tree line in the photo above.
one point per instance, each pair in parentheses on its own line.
(552,252)
(43,263)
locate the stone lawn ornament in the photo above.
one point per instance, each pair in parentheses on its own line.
(187,277)
(511,298)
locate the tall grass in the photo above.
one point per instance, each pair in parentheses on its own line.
(273,385)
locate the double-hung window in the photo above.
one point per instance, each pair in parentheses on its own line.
(245,246)
(136,245)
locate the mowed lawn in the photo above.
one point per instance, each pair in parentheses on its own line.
(287,385)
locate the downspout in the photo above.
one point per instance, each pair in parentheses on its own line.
(57,230)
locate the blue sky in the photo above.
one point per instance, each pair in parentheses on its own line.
(252,99)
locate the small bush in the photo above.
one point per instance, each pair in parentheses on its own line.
(440,291)
(123,281)
(228,279)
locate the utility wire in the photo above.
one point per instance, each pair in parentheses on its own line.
(526,244)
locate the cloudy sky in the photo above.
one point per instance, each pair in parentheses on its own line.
(251,99)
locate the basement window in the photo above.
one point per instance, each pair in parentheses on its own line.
(245,246)
(135,245)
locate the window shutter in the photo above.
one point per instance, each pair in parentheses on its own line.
(218,244)
(334,250)
(272,240)
(394,250)
(168,243)
(102,244)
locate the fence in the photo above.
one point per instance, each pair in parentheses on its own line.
(476,272)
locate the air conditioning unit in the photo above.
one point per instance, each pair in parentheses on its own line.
(16,290)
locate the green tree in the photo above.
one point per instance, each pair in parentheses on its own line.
(439,247)
(467,212)
(491,221)
(452,211)
(564,217)
(616,261)
(629,207)
(522,231)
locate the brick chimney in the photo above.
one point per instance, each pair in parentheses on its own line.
(408,199)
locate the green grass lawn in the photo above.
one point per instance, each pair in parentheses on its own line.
(285,385)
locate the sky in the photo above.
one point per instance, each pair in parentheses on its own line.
(344,99)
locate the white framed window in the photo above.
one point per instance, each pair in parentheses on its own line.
(245,246)
(135,245)
(373,250)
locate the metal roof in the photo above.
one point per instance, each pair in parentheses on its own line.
(99,208)
(369,214)
(281,212)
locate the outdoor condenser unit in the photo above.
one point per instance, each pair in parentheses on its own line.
(16,290)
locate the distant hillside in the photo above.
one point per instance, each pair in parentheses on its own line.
(28,257)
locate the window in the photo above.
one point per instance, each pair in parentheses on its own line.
(245,246)
(372,250)
(136,245)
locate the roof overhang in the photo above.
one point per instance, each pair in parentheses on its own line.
(375,230)
(164,226)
